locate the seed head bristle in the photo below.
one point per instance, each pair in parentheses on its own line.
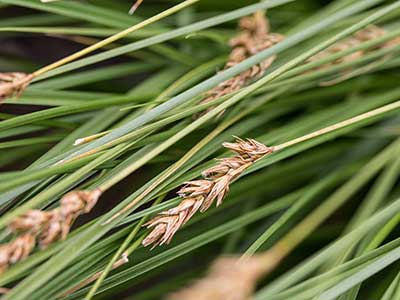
(199,195)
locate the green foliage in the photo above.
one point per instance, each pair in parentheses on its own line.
(334,196)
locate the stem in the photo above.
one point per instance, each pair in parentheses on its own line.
(123,260)
(120,253)
(345,123)
(114,37)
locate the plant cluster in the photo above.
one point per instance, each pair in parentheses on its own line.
(120,131)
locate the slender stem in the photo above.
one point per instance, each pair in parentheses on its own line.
(123,260)
(334,127)
(120,253)
(114,37)
(383,233)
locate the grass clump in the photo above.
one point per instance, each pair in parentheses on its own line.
(97,139)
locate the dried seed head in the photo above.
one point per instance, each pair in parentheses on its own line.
(248,152)
(248,148)
(13,84)
(228,279)
(57,228)
(224,166)
(79,202)
(31,221)
(168,223)
(45,227)
(255,37)
(257,24)
(392,43)
(164,229)
(369,33)
(196,188)
(201,194)
(16,250)
(219,192)
(73,204)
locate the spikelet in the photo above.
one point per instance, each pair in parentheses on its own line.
(369,33)
(199,195)
(254,37)
(45,227)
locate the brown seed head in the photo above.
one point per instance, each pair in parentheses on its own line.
(256,24)
(392,43)
(79,202)
(254,37)
(219,192)
(229,278)
(16,250)
(248,148)
(224,166)
(32,221)
(196,188)
(73,204)
(45,227)
(369,33)
(201,194)
(164,228)
(13,84)
(56,229)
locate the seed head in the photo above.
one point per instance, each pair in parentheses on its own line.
(45,227)
(13,84)
(255,36)
(16,250)
(199,195)
(369,33)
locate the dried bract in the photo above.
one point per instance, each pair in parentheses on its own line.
(12,84)
(199,195)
